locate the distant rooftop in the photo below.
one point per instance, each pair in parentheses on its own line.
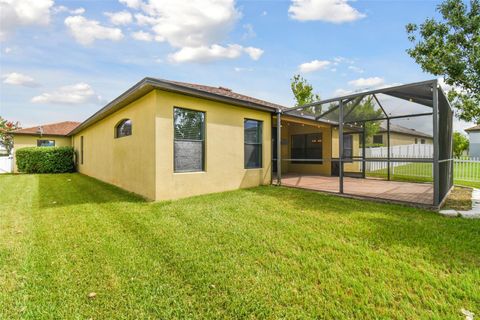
(475,128)
(404,130)
(52,129)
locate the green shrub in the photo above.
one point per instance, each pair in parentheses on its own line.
(45,160)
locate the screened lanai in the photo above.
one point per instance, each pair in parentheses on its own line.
(393,144)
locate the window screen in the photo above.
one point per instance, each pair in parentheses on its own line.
(378,139)
(189,140)
(45,143)
(123,128)
(305,147)
(253,143)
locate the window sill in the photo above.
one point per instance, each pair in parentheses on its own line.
(188,172)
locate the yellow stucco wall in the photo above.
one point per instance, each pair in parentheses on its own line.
(397,139)
(23,141)
(292,126)
(224,148)
(127,162)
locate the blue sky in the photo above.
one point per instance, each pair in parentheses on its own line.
(63,60)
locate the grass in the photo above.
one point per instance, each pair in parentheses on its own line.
(266,252)
(422,172)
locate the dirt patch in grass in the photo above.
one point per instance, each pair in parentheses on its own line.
(459,199)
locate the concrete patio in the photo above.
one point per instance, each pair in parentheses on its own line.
(409,192)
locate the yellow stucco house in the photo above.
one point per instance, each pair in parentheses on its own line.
(167,140)
(400,135)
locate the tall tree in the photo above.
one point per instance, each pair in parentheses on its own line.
(303,93)
(460,144)
(6,137)
(451,48)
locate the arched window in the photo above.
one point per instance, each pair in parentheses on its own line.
(123,128)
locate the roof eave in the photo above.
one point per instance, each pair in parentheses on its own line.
(39,134)
(148,84)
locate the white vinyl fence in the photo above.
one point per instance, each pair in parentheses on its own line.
(6,164)
(465,168)
(400,151)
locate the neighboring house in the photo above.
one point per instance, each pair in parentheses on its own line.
(474,137)
(48,135)
(400,135)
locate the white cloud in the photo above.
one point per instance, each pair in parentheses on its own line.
(338,60)
(341,92)
(371,82)
(187,24)
(134,4)
(314,65)
(264,13)
(195,28)
(61,9)
(79,93)
(142,36)
(7,50)
(17,13)
(240,69)
(249,32)
(355,69)
(87,31)
(19,79)
(213,52)
(336,11)
(144,20)
(120,18)
(254,53)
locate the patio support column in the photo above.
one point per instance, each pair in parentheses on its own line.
(436,146)
(364,141)
(340,145)
(388,149)
(279,148)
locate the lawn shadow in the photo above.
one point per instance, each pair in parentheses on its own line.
(448,241)
(57,190)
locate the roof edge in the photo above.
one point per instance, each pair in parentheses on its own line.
(148,84)
(38,134)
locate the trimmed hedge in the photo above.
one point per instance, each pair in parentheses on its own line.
(45,159)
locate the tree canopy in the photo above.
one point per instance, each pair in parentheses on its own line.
(303,94)
(450,47)
(460,144)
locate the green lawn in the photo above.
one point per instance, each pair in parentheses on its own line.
(422,172)
(266,252)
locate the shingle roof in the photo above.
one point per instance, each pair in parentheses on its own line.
(53,129)
(475,128)
(403,130)
(146,85)
(226,92)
